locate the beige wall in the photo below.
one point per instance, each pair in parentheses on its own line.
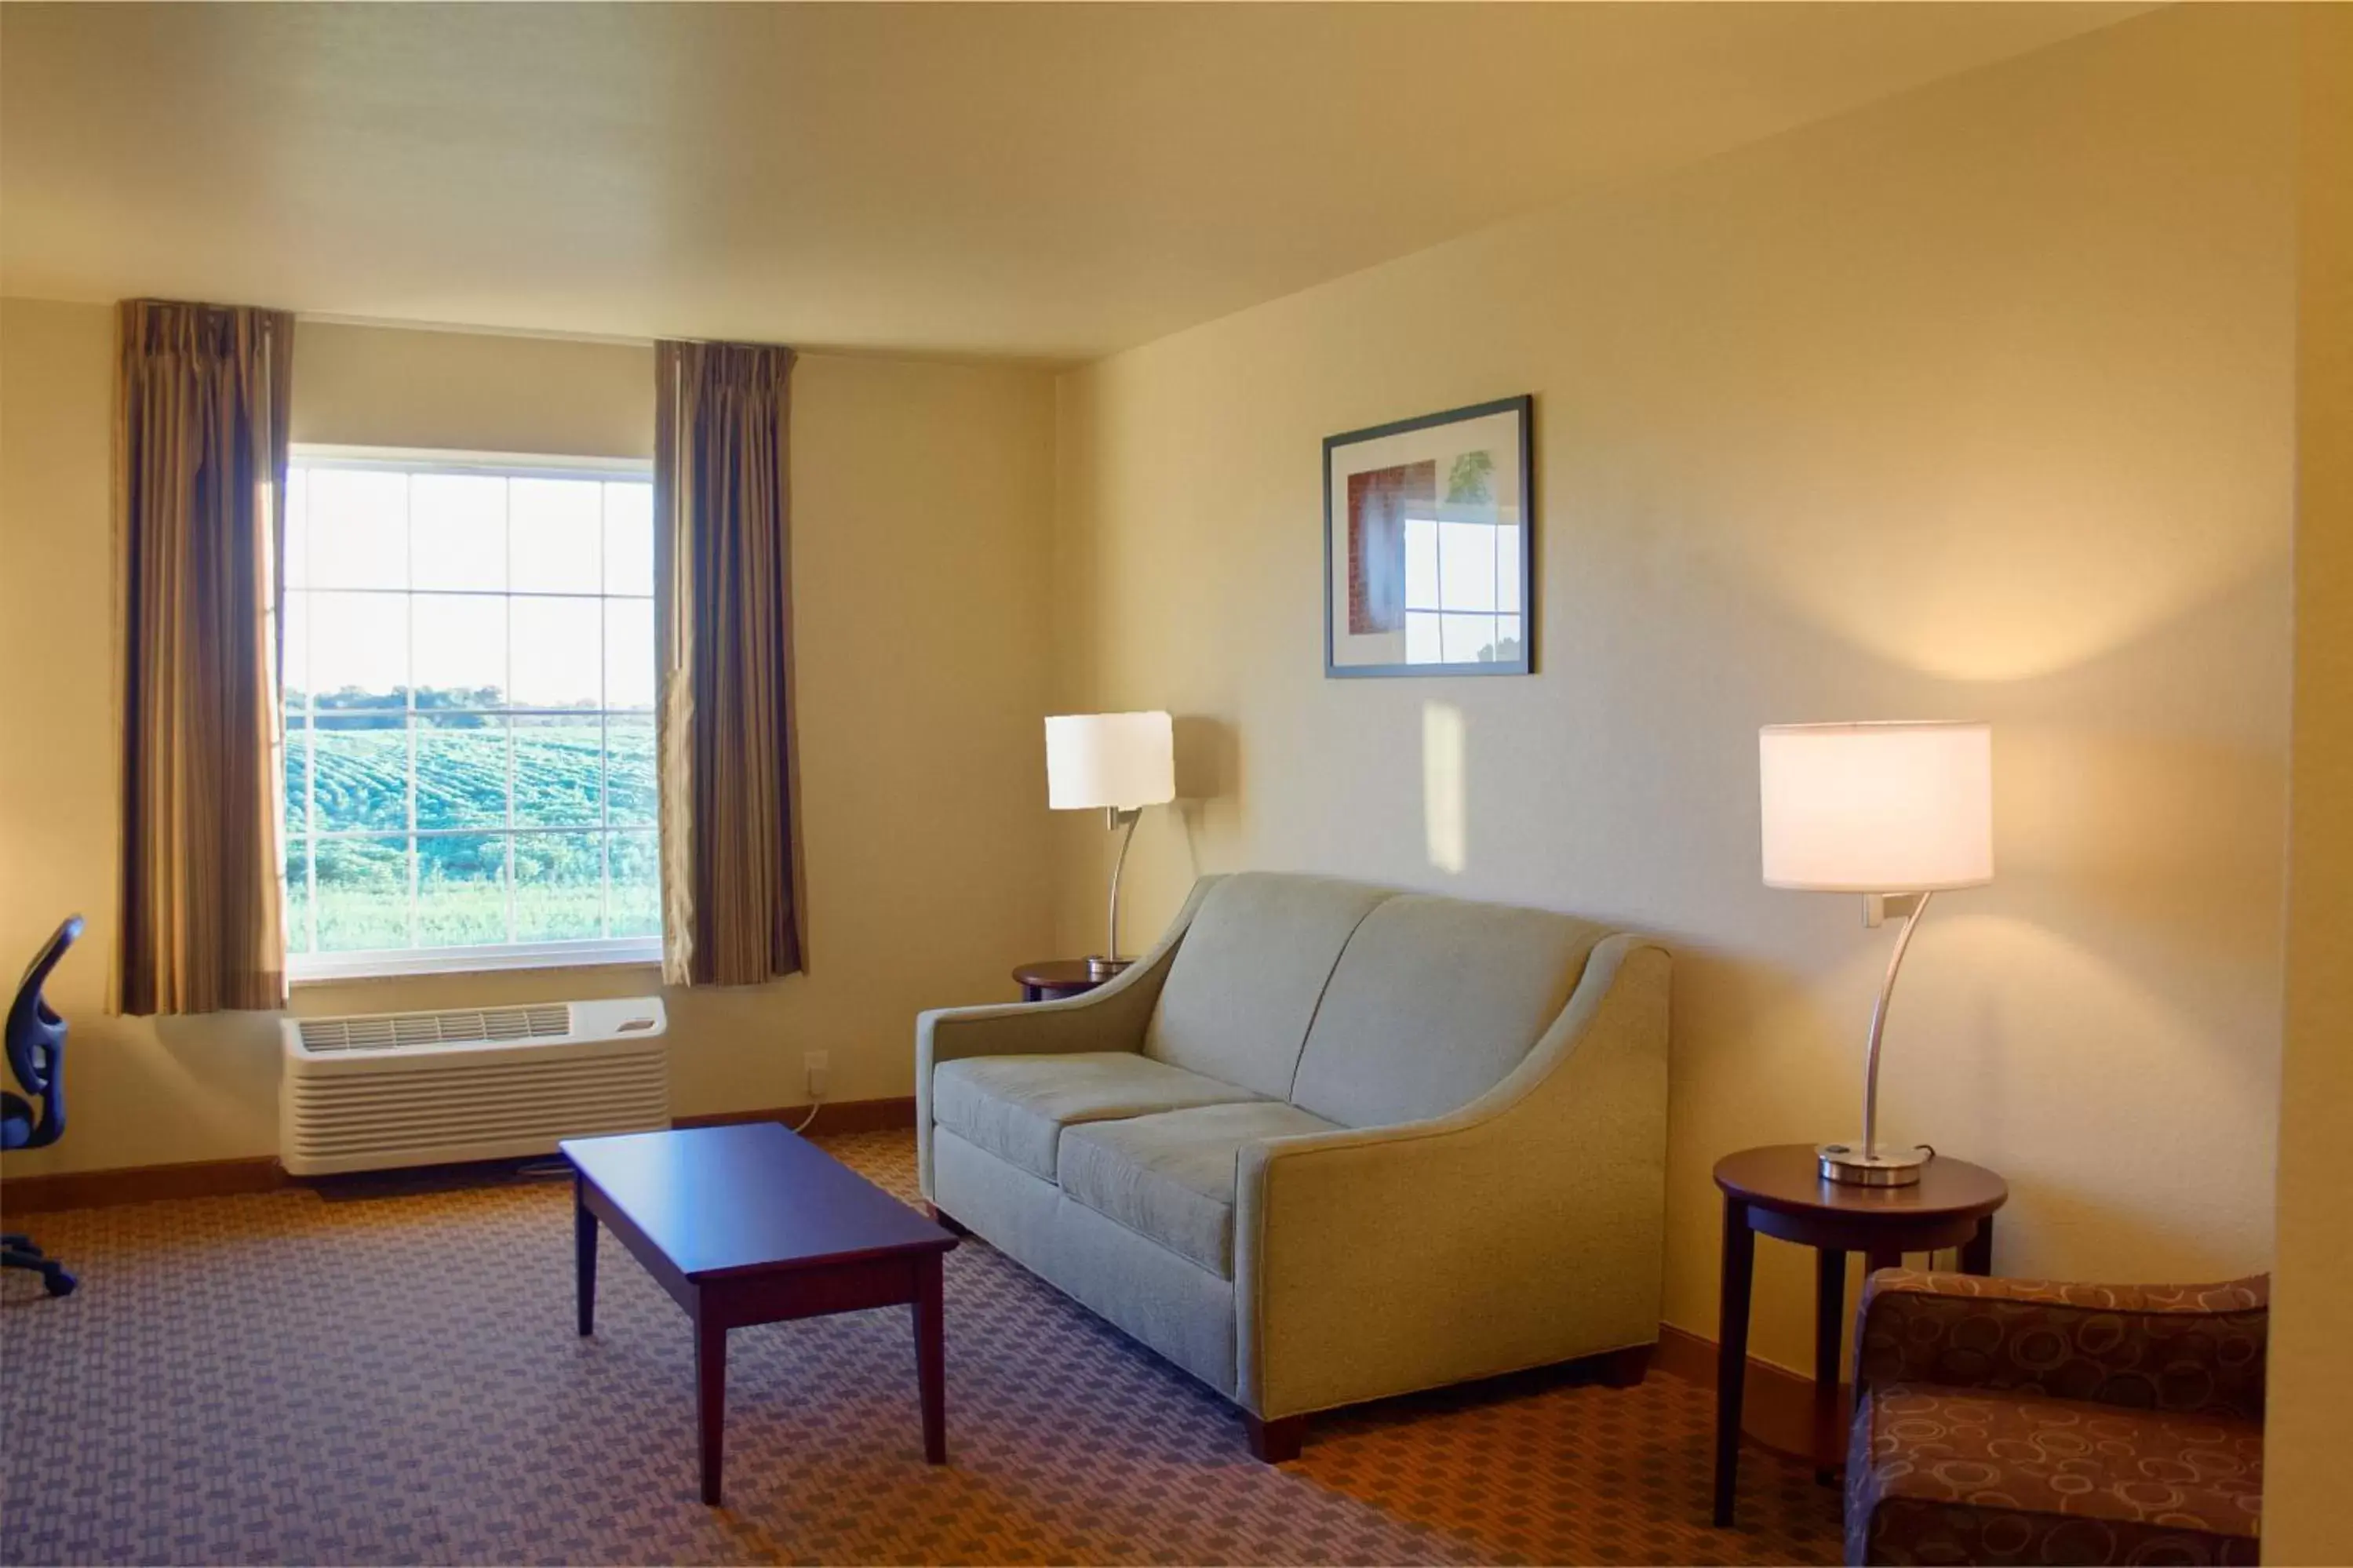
(1973,403)
(2310,1422)
(923,504)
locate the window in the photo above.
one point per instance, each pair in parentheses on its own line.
(468,654)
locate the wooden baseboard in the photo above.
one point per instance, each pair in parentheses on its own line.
(140,1183)
(1777,1405)
(46,1193)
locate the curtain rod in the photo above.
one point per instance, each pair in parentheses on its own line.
(333,318)
(1049,362)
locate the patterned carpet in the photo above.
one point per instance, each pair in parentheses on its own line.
(288,1378)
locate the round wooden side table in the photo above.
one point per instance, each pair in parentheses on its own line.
(1051,979)
(1780,1190)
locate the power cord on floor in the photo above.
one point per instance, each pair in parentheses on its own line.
(547,1169)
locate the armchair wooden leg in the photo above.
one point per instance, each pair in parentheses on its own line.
(947,1220)
(1277,1440)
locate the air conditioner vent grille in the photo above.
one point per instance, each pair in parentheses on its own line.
(408,1031)
(371,1093)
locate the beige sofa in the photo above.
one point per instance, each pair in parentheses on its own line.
(1327,1143)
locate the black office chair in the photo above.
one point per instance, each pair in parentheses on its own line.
(37,1054)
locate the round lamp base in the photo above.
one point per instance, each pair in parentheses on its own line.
(1105,968)
(1847,1164)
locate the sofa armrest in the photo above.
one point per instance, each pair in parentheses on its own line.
(2196,1348)
(1524,1228)
(1103,1019)
(1111,1018)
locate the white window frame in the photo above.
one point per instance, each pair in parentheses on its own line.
(318,968)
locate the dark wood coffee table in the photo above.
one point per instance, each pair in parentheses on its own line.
(750,1224)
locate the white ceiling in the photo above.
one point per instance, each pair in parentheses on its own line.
(1049,181)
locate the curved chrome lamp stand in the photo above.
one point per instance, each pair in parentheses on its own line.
(1104,965)
(1867,1164)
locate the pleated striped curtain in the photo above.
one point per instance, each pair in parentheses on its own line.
(732,912)
(200,472)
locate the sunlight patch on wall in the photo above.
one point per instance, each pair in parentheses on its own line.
(1445,825)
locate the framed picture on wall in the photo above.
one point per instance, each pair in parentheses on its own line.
(1429,547)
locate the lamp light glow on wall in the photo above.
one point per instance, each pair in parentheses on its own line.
(1120,763)
(1897,812)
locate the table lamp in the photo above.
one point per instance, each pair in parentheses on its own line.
(1895,812)
(1120,763)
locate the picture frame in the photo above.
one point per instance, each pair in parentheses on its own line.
(1429,545)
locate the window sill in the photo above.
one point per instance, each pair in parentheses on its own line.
(335,968)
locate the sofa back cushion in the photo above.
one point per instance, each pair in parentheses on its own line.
(1432,1003)
(1245,981)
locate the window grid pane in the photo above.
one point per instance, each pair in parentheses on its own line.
(419,797)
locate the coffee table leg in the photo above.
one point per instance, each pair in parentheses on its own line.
(1732,1354)
(584,1254)
(931,1357)
(1829,1317)
(710,1399)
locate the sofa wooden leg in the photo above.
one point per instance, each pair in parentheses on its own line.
(948,1221)
(1277,1440)
(1626,1368)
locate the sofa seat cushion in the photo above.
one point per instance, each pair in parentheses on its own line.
(1016,1107)
(1960,1475)
(1170,1177)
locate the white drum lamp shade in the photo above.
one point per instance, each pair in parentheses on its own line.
(1898,813)
(1122,761)
(1118,764)
(1876,808)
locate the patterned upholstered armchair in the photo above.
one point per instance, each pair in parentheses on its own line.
(2025,1421)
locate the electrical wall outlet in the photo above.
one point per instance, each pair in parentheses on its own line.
(814,1068)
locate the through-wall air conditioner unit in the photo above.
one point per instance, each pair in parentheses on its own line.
(373,1090)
